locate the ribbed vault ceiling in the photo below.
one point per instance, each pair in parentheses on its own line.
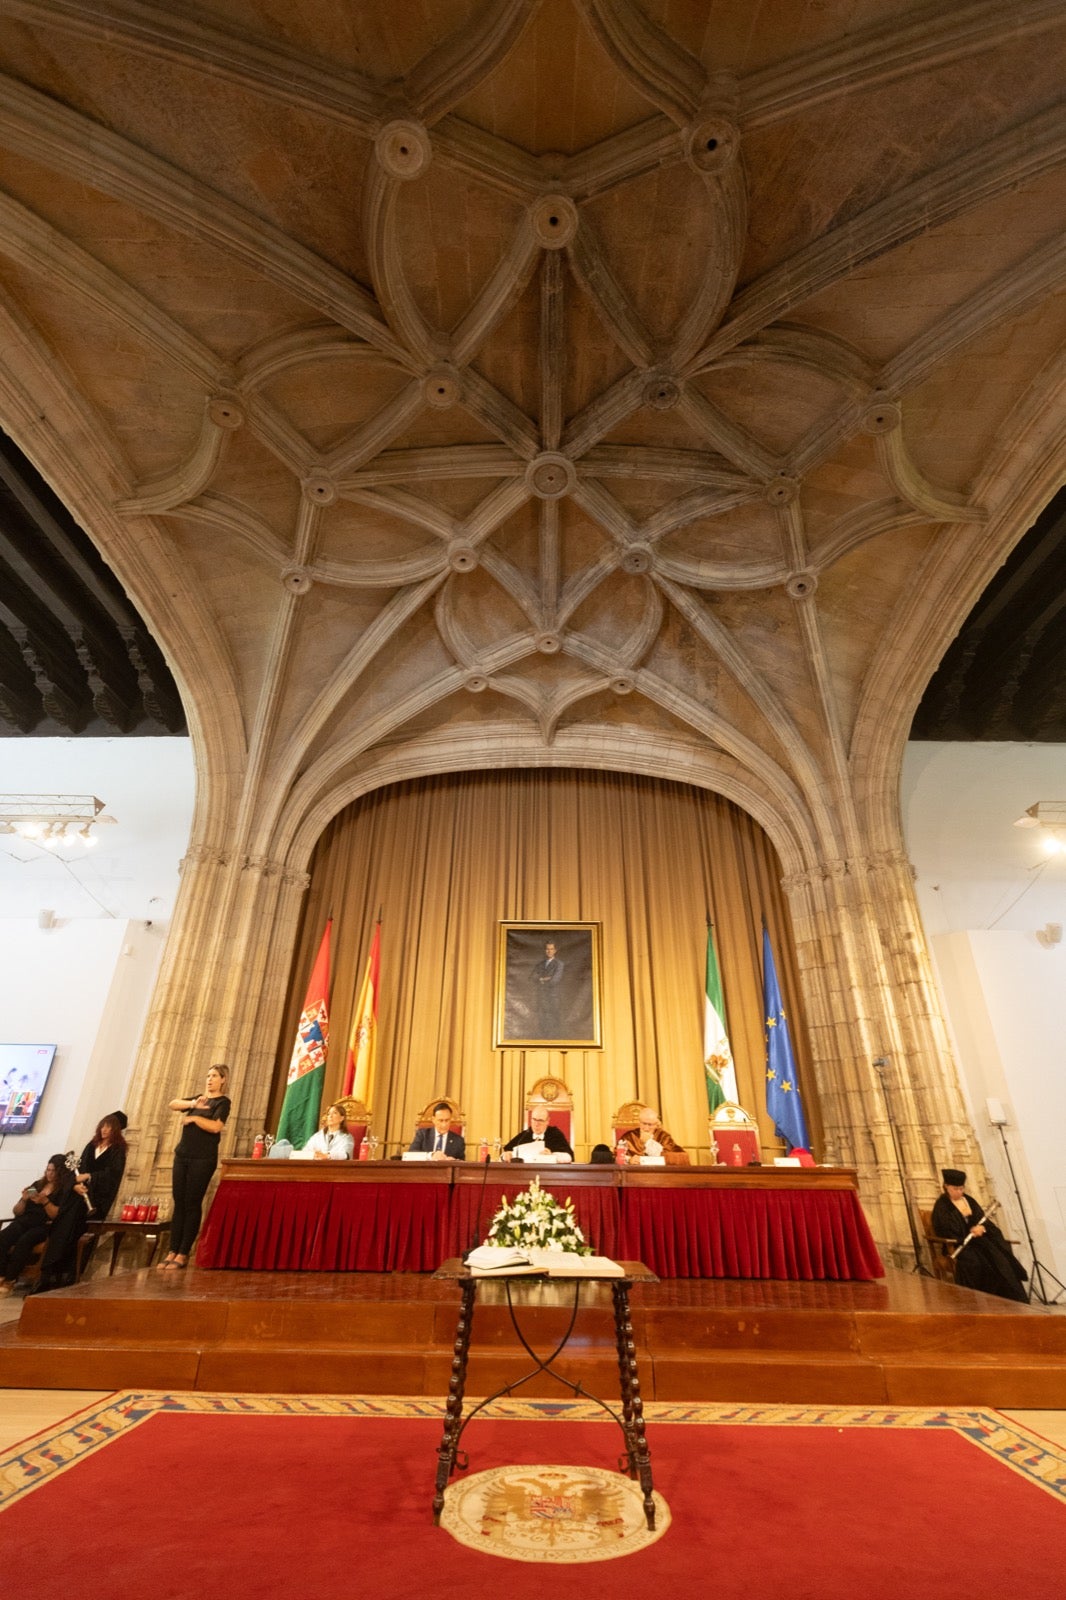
(544,375)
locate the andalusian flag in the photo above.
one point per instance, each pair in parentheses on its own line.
(717,1056)
(362,1046)
(307,1069)
(783,1101)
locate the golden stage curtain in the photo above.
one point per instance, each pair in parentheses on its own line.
(447,858)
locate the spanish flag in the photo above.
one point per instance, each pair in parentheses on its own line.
(362,1046)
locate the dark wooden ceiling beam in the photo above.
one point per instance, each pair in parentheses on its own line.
(49,531)
(20,704)
(158,690)
(1004,676)
(57,687)
(77,654)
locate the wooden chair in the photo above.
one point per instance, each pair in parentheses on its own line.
(425,1116)
(939,1249)
(31,1272)
(733,1135)
(626,1117)
(554,1095)
(356,1118)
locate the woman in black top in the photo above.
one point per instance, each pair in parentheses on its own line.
(100,1170)
(195,1158)
(34,1212)
(103,1162)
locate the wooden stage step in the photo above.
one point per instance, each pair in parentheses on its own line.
(905,1341)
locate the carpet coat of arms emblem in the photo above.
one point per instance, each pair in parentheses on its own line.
(551,1513)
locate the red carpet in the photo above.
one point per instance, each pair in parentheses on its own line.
(300,1507)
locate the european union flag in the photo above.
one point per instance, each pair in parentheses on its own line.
(783,1101)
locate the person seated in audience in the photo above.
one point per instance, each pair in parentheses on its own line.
(541,1131)
(332,1142)
(987,1262)
(650,1138)
(438,1140)
(100,1172)
(33,1215)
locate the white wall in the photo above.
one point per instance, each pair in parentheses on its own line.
(84,987)
(986,889)
(975,868)
(85,983)
(1005,995)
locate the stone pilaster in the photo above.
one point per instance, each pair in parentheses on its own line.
(219,997)
(870,997)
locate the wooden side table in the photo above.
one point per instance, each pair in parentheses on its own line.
(154,1231)
(636,1461)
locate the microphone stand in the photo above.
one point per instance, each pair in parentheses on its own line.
(1039,1272)
(879,1065)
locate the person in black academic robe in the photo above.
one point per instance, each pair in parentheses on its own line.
(100,1171)
(103,1164)
(540,1128)
(987,1263)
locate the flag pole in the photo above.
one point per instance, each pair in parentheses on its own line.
(307,1068)
(719,1069)
(362,1041)
(784,1105)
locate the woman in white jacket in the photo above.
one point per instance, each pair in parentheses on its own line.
(332,1142)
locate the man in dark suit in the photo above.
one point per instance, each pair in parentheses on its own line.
(541,1131)
(547,994)
(439,1141)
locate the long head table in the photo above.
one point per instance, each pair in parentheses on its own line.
(684,1222)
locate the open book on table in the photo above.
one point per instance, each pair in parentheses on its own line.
(499,1261)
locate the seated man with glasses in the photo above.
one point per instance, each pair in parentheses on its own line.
(541,1141)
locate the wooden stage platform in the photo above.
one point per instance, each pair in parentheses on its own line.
(905,1341)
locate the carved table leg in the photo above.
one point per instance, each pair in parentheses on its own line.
(453,1411)
(632,1404)
(625,1389)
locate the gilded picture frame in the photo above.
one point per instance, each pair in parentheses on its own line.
(549,986)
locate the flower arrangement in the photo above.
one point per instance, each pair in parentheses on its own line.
(534,1219)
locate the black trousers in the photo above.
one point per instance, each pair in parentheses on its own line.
(60,1261)
(191,1176)
(18,1242)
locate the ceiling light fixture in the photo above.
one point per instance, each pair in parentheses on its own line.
(52,819)
(1050,815)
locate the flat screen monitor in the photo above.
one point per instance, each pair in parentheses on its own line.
(24,1070)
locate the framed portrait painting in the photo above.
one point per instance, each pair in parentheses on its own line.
(548,986)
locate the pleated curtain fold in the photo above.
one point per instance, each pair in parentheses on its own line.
(448,858)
